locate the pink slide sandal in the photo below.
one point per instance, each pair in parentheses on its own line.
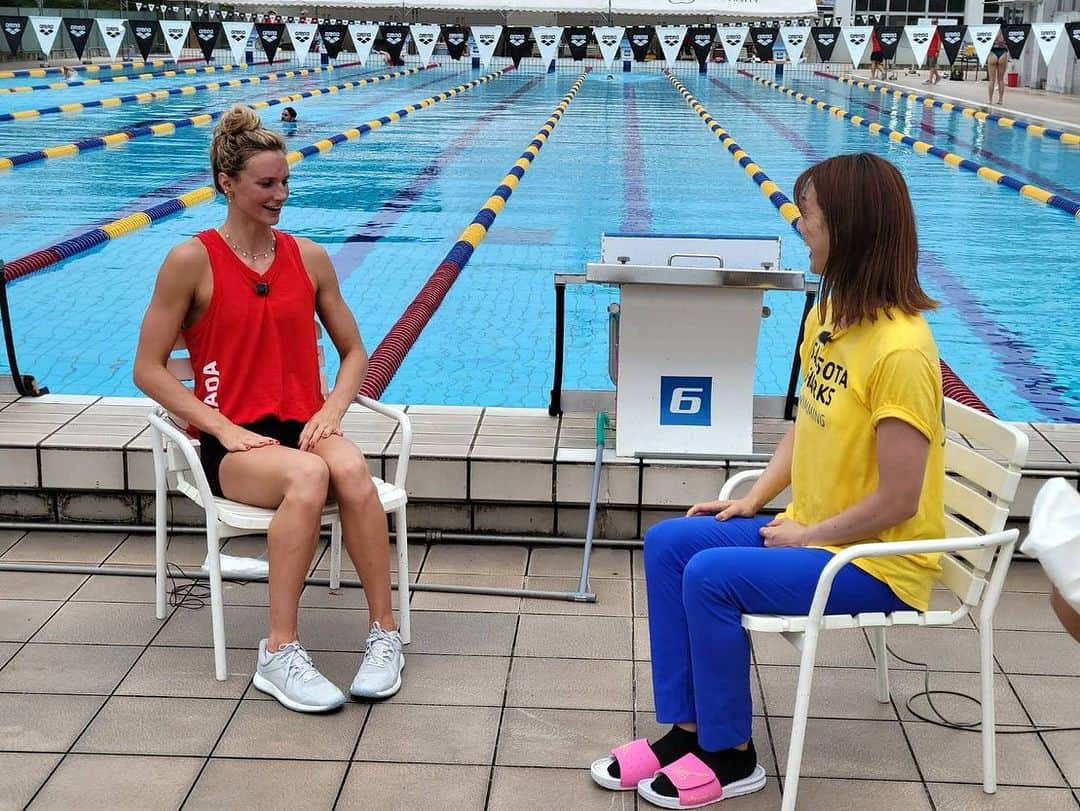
(697,785)
(636,760)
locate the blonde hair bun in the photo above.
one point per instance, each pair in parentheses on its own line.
(239,135)
(238,120)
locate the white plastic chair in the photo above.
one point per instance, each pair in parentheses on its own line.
(981,482)
(176,453)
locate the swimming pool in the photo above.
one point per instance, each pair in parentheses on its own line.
(628,155)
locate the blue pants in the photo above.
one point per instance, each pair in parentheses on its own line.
(701,576)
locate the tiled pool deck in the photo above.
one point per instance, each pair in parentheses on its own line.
(506,700)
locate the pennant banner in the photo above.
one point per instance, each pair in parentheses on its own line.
(732,38)
(609,38)
(237,35)
(112,32)
(206,34)
(175,33)
(640,38)
(393,37)
(952,39)
(363,37)
(671,39)
(269,35)
(302,37)
(13,31)
(547,41)
(857,39)
(1047,37)
(486,38)
(425,38)
(456,39)
(919,37)
(795,38)
(763,40)
(889,37)
(45,29)
(79,31)
(577,38)
(144,31)
(825,38)
(1016,37)
(333,38)
(702,38)
(982,38)
(518,44)
(1072,32)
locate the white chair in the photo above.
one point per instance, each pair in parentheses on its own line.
(176,453)
(981,482)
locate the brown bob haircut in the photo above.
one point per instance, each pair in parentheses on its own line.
(873,248)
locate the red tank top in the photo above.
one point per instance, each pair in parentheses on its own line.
(255,355)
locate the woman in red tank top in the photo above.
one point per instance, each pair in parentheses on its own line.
(245,297)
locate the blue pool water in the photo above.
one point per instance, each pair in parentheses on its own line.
(628,155)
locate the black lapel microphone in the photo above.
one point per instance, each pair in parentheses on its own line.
(824,336)
(262,288)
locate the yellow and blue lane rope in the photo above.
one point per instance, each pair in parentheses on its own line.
(125,78)
(170,127)
(968,112)
(95,68)
(788,210)
(1037,193)
(387,357)
(153,95)
(125,225)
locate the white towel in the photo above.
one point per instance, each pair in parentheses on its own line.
(1054,537)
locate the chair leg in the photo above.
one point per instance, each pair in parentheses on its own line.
(881,657)
(217,603)
(986,680)
(798,722)
(335,555)
(401,538)
(160,542)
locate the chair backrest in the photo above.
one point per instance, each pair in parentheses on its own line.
(984,460)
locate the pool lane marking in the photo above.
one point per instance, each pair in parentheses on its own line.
(44,257)
(358,246)
(154,95)
(1070,207)
(125,78)
(388,356)
(166,128)
(636,211)
(1038,130)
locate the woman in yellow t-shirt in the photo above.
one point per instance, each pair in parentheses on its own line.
(864,460)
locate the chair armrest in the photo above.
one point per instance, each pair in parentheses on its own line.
(404,423)
(736,480)
(165,428)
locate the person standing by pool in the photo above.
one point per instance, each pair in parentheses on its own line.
(244,296)
(997,61)
(877,56)
(932,56)
(865,462)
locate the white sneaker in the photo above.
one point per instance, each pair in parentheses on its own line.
(379,675)
(289,676)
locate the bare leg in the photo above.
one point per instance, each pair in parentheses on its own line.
(1002,66)
(363,524)
(295,484)
(991,76)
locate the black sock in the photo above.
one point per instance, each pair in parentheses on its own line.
(729,766)
(667,749)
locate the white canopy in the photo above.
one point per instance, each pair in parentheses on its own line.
(660,9)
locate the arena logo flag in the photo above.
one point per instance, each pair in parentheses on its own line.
(45,29)
(889,37)
(982,38)
(425,38)
(206,34)
(237,35)
(456,39)
(79,31)
(363,37)
(13,31)
(1016,37)
(1072,31)
(145,32)
(1047,37)
(393,37)
(763,39)
(702,38)
(608,38)
(175,33)
(795,38)
(920,37)
(640,37)
(486,38)
(333,38)
(952,39)
(547,41)
(269,35)
(825,38)
(577,38)
(857,39)
(518,44)
(732,38)
(112,33)
(302,37)
(671,39)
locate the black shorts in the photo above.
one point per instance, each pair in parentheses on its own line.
(877,56)
(287,432)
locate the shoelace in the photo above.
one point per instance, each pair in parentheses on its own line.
(298,663)
(380,646)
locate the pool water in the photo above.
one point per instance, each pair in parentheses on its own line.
(629,155)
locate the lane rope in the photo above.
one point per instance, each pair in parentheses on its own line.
(126,78)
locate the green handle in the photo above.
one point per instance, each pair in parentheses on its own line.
(601,427)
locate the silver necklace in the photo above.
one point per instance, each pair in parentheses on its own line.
(254,257)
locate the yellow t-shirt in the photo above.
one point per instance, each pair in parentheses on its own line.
(851,381)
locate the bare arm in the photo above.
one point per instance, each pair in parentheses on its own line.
(1070,620)
(768,486)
